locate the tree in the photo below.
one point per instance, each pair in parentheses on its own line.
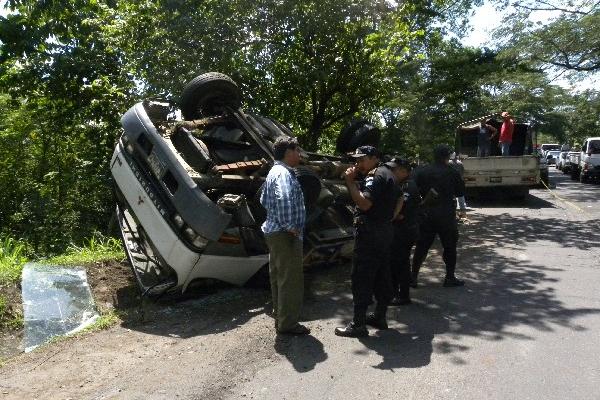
(569,42)
(64,90)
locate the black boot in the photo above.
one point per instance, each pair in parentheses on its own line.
(377,321)
(453,282)
(356,328)
(352,330)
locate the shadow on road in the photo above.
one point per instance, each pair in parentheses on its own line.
(505,291)
(303,352)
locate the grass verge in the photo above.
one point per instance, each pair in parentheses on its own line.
(96,249)
(12,259)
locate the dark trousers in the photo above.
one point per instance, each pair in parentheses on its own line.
(404,240)
(371,268)
(447,229)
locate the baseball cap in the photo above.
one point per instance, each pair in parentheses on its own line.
(363,151)
(396,162)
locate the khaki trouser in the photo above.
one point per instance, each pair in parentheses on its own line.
(287,278)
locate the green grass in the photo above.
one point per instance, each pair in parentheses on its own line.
(12,259)
(105,321)
(96,249)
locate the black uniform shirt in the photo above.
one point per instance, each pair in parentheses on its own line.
(410,206)
(447,183)
(380,187)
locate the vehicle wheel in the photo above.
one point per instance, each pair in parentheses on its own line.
(311,186)
(208,95)
(356,134)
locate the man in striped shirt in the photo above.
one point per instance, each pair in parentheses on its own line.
(282,198)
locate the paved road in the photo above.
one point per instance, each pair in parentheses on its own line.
(526,326)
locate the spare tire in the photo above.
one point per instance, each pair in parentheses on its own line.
(357,133)
(208,95)
(311,186)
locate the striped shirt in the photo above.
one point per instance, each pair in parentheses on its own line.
(282,198)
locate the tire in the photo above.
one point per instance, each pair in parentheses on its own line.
(356,134)
(208,95)
(311,186)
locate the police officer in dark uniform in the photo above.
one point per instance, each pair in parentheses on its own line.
(375,202)
(406,230)
(439,185)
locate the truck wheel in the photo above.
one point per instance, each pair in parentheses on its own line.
(208,95)
(356,134)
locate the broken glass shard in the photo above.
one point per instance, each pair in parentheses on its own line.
(56,301)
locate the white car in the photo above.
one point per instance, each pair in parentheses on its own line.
(552,156)
(562,160)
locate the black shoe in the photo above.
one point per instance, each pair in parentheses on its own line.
(296,330)
(453,282)
(400,301)
(376,322)
(352,330)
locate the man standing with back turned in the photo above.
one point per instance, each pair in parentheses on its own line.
(283,199)
(375,202)
(439,184)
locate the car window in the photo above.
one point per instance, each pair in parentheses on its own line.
(594,147)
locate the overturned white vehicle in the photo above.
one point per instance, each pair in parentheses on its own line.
(187,190)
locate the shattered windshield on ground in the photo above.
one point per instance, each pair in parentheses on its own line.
(56,301)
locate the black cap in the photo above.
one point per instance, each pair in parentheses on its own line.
(364,151)
(399,162)
(442,152)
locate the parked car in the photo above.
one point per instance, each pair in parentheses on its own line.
(545,147)
(574,157)
(188,189)
(552,156)
(588,162)
(561,160)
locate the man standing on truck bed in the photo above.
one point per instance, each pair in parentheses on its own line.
(484,138)
(506,133)
(283,199)
(439,184)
